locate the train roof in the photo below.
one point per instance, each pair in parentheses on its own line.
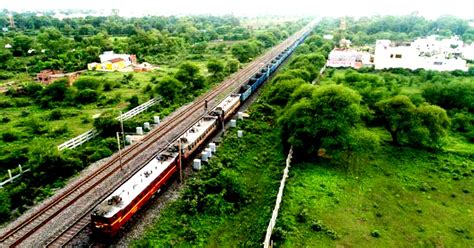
(128,191)
(228,102)
(197,130)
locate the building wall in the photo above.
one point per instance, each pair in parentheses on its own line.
(437,57)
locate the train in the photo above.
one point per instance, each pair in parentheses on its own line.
(122,204)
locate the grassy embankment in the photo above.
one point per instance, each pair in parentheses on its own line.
(402,197)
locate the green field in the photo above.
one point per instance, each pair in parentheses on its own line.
(410,198)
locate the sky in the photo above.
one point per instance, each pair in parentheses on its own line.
(430,9)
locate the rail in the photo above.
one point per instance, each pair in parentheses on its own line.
(83,138)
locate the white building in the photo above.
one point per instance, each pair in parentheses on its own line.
(468,52)
(110,55)
(428,53)
(339,57)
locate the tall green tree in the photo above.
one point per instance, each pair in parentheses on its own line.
(190,75)
(325,122)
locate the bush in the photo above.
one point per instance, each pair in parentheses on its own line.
(33,89)
(9,136)
(5,119)
(375,234)
(87,96)
(56,114)
(5,205)
(107,125)
(455,94)
(21,103)
(83,83)
(35,126)
(108,85)
(6,104)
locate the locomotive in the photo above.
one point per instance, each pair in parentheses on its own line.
(112,213)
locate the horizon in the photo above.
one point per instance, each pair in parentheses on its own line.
(247,8)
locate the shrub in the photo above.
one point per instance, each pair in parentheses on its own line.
(107,125)
(9,136)
(375,234)
(5,119)
(5,205)
(87,96)
(5,104)
(21,103)
(92,83)
(56,114)
(133,102)
(33,89)
(107,86)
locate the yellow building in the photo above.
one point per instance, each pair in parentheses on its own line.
(110,65)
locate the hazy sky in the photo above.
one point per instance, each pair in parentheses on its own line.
(430,9)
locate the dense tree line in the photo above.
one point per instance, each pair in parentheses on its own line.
(44,42)
(366,30)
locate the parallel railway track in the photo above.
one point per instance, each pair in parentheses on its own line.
(132,157)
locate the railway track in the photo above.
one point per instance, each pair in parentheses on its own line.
(132,158)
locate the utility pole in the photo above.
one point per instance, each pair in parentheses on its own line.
(121,128)
(180,158)
(120,150)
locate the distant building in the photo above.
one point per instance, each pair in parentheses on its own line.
(142,67)
(328,37)
(340,57)
(110,61)
(468,52)
(49,76)
(129,59)
(428,53)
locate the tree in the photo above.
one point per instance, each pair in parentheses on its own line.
(422,126)
(267,38)
(190,75)
(244,51)
(281,91)
(232,66)
(169,88)
(21,44)
(323,122)
(106,124)
(455,94)
(431,125)
(55,92)
(397,114)
(215,66)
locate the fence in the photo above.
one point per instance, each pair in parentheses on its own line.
(11,178)
(83,138)
(139,109)
(267,243)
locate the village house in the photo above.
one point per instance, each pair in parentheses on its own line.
(428,53)
(342,57)
(110,61)
(49,76)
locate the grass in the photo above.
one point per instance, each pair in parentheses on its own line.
(257,159)
(405,197)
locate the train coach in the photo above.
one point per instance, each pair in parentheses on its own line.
(112,213)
